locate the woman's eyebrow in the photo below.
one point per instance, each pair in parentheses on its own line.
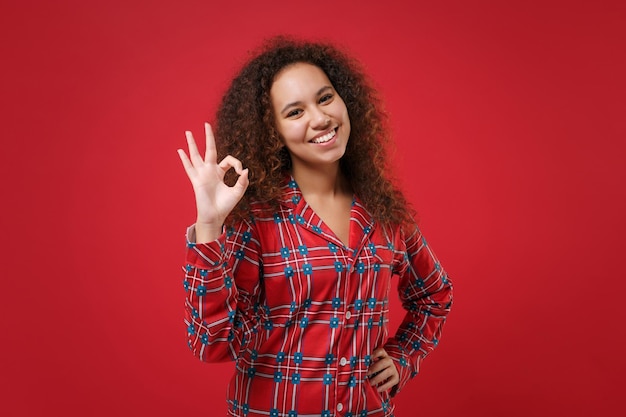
(298,103)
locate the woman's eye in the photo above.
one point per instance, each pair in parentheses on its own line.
(326,98)
(294,112)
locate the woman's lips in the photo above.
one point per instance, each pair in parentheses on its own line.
(325,138)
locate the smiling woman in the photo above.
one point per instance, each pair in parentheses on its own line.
(290,261)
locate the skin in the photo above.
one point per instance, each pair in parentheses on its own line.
(306,108)
(214,199)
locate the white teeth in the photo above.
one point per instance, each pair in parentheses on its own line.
(325,138)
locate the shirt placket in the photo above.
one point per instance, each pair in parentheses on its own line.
(344,393)
(349,367)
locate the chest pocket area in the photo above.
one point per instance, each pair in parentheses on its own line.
(297,278)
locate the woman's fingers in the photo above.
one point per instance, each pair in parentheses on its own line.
(210,153)
(231,162)
(205,172)
(388,385)
(379,353)
(386,378)
(194,155)
(242,181)
(383,373)
(186,162)
(380,371)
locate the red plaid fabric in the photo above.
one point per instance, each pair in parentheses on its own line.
(301,314)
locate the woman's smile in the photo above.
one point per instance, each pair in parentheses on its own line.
(325,138)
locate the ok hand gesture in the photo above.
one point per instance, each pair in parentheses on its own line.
(214,199)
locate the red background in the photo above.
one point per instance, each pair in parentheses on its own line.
(510,129)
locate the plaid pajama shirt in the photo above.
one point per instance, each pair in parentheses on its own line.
(301,314)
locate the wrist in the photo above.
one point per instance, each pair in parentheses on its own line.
(207,232)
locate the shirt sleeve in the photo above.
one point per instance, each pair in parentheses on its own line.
(426,294)
(222,285)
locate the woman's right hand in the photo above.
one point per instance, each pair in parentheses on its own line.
(214,199)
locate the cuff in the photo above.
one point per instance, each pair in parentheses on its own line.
(205,256)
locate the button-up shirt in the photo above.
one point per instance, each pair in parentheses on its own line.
(300,313)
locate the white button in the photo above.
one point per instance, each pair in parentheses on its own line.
(339,407)
(348,315)
(343,361)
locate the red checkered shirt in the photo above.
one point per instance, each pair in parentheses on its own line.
(301,314)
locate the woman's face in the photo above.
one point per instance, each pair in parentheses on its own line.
(311,117)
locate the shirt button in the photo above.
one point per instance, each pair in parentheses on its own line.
(339,407)
(343,361)
(348,315)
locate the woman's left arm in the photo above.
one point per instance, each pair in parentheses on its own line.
(426,294)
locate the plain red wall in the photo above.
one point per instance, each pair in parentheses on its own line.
(509,119)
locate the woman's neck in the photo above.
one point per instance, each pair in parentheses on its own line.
(327,192)
(326,182)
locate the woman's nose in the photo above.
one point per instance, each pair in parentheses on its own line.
(320,120)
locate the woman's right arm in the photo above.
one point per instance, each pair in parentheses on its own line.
(217,310)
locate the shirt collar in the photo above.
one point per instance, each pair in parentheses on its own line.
(361,220)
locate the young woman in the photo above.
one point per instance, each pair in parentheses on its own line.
(298,235)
